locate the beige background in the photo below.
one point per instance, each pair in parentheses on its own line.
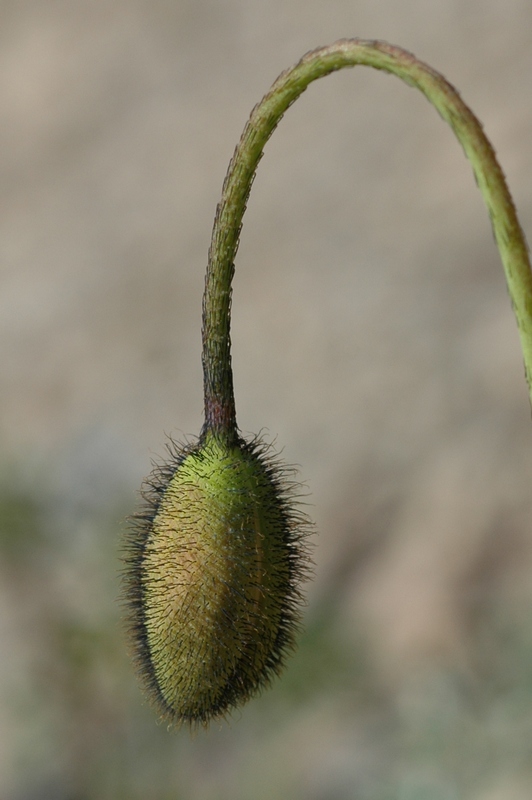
(372,337)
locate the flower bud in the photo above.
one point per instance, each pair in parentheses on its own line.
(212,573)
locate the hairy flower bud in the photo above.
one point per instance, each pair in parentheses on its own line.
(213,568)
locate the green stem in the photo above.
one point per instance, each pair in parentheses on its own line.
(220,413)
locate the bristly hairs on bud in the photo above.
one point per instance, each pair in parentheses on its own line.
(215,557)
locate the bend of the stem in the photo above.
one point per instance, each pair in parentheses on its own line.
(218,380)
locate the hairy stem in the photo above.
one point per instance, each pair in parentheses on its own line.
(220,414)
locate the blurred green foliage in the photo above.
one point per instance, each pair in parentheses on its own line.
(20,530)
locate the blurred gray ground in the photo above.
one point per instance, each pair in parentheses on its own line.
(372,338)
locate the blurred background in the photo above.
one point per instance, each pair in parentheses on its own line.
(373,339)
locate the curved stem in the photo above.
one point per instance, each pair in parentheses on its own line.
(220,415)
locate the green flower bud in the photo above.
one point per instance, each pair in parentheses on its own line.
(213,568)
